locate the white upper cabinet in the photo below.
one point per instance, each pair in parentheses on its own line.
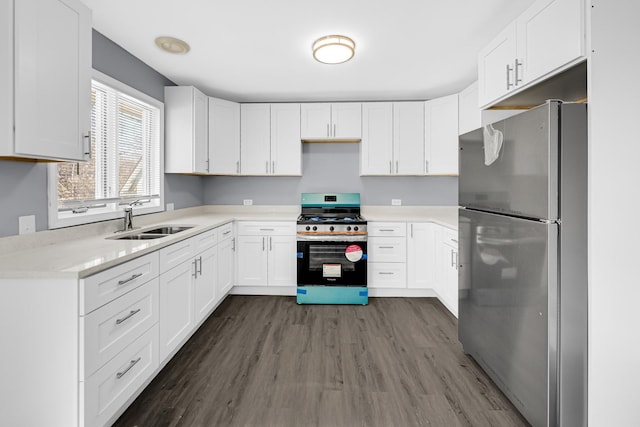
(224,137)
(340,121)
(186,130)
(408,138)
(376,149)
(270,139)
(469,114)
(548,37)
(286,148)
(392,138)
(441,135)
(45,79)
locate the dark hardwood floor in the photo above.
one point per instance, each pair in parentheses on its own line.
(266,361)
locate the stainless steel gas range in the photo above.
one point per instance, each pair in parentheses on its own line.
(332,250)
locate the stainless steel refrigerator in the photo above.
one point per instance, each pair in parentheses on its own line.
(523,259)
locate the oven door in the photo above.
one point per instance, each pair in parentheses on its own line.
(332,263)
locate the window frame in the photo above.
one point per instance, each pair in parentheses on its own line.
(108,213)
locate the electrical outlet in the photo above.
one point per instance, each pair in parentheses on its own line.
(247,202)
(170,206)
(396,202)
(27,224)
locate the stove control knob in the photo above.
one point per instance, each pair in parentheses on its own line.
(308,228)
(331,228)
(348,228)
(355,228)
(315,228)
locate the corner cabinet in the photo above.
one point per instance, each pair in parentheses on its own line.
(447,269)
(224,137)
(441,135)
(547,38)
(338,121)
(392,138)
(45,73)
(270,139)
(186,130)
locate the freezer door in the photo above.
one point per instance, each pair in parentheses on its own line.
(508,306)
(523,180)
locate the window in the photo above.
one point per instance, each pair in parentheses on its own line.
(126,162)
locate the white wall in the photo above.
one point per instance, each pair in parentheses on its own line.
(614,234)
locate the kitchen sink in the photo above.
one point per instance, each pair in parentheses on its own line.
(140,237)
(166,230)
(154,233)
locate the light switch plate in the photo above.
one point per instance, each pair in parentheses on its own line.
(247,202)
(396,202)
(170,206)
(27,224)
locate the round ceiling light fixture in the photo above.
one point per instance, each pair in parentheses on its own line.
(333,49)
(172,45)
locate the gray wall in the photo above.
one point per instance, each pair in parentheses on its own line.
(23,185)
(331,167)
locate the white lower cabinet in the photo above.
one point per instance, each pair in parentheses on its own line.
(421,255)
(447,259)
(267,254)
(226,263)
(206,283)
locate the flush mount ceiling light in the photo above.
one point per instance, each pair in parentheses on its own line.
(333,49)
(172,45)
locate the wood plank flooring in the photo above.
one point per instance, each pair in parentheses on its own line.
(266,361)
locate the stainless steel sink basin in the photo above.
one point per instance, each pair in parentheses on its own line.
(140,237)
(166,230)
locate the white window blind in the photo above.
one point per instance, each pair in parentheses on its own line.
(126,160)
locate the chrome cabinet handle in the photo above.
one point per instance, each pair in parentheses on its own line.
(387,229)
(509,84)
(386,273)
(412,231)
(334,129)
(131,365)
(267,229)
(456,260)
(426,166)
(87,141)
(128,316)
(267,166)
(390,166)
(273,166)
(271,244)
(195,268)
(233,247)
(385,247)
(328,130)
(454,240)
(226,232)
(125,281)
(207,165)
(452,261)
(263,244)
(518,64)
(237,166)
(200,268)
(396,166)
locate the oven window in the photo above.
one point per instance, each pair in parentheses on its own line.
(330,256)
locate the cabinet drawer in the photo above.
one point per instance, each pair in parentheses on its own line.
(108,330)
(387,229)
(204,241)
(225,231)
(387,275)
(176,254)
(99,289)
(104,393)
(248,228)
(387,249)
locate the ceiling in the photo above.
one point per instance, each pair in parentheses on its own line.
(259,50)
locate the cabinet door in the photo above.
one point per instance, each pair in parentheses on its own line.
(449,286)
(52,75)
(200,132)
(346,120)
(255,135)
(252,260)
(441,123)
(386,275)
(421,256)
(315,121)
(206,282)
(226,266)
(282,261)
(495,66)
(176,307)
(376,150)
(550,34)
(224,137)
(387,249)
(408,138)
(286,148)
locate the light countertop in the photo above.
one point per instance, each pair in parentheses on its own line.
(81,251)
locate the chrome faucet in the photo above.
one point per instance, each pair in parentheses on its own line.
(128,218)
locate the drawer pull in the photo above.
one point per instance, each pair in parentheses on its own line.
(385,247)
(387,229)
(131,365)
(388,273)
(128,316)
(267,229)
(226,232)
(454,240)
(125,281)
